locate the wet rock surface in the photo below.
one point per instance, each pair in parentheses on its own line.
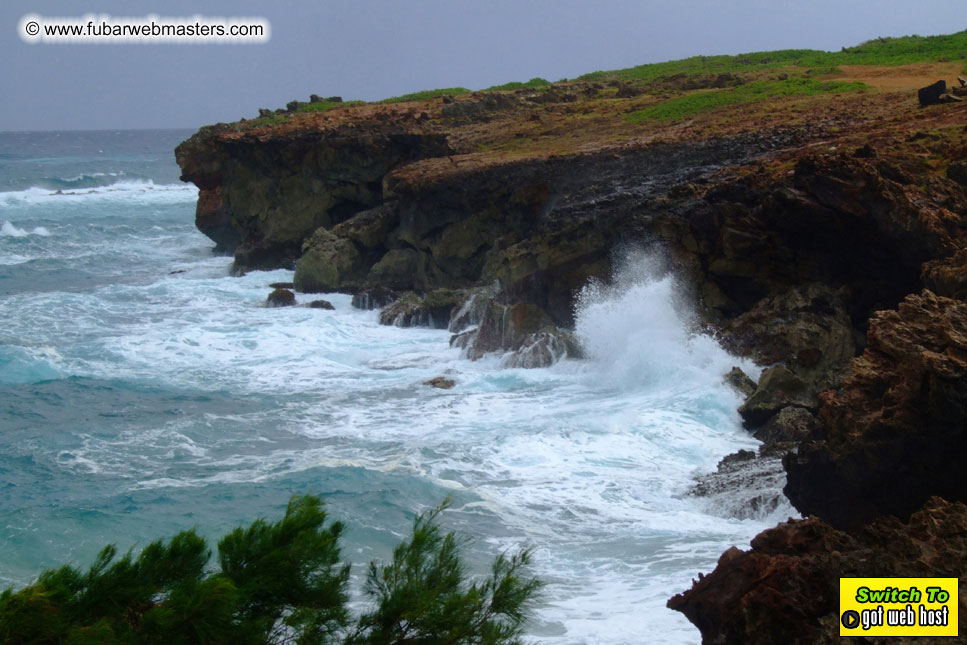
(896,431)
(280,298)
(785,589)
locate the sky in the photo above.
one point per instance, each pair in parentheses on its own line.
(373,49)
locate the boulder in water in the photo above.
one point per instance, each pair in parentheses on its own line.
(440,382)
(280,298)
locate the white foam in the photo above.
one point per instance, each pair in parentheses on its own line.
(134,192)
(588,460)
(9,230)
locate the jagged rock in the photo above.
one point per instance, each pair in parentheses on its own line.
(962,80)
(263,112)
(368,228)
(543,348)
(374,298)
(471,310)
(478,105)
(957,171)
(743,486)
(280,298)
(791,424)
(432,310)
(321,304)
(806,329)
(931,94)
(785,589)
(626,91)
(947,276)
(440,382)
(505,328)
(897,431)
(405,311)
(402,269)
(521,328)
(740,381)
(276,190)
(949,98)
(315,98)
(778,388)
(292,106)
(552,95)
(329,263)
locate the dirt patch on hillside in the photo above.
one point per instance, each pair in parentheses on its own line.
(907,77)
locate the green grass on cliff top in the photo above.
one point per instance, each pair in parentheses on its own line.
(881,51)
(698,102)
(426,95)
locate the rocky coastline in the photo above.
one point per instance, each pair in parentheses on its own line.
(824,238)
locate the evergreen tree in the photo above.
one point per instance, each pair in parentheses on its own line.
(279,582)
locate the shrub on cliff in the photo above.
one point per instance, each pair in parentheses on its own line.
(279,582)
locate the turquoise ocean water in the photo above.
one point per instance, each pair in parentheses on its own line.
(144,391)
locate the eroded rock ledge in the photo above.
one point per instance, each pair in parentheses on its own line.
(786,588)
(896,433)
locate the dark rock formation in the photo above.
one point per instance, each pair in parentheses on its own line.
(740,381)
(790,425)
(280,298)
(374,298)
(321,304)
(478,105)
(432,310)
(262,197)
(947,276)
(957,171)
(786,588)
(778,389)
(329,263)
(930,95)
(897,431)
(521,328)
(743,486)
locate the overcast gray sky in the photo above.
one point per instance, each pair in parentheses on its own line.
(371,49)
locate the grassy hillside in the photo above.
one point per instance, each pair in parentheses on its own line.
(881,51)
(679,89)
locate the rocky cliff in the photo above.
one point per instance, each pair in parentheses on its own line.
(825,237)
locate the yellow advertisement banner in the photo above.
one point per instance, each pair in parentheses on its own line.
(898,607)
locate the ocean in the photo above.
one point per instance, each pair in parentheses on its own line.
(144,390)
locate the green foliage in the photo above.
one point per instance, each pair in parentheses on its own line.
(266,121)
(325,106)
(279,582)
(881,51)
(426,95)
(533,84)
(697,102)
(288,571)
(421,596)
